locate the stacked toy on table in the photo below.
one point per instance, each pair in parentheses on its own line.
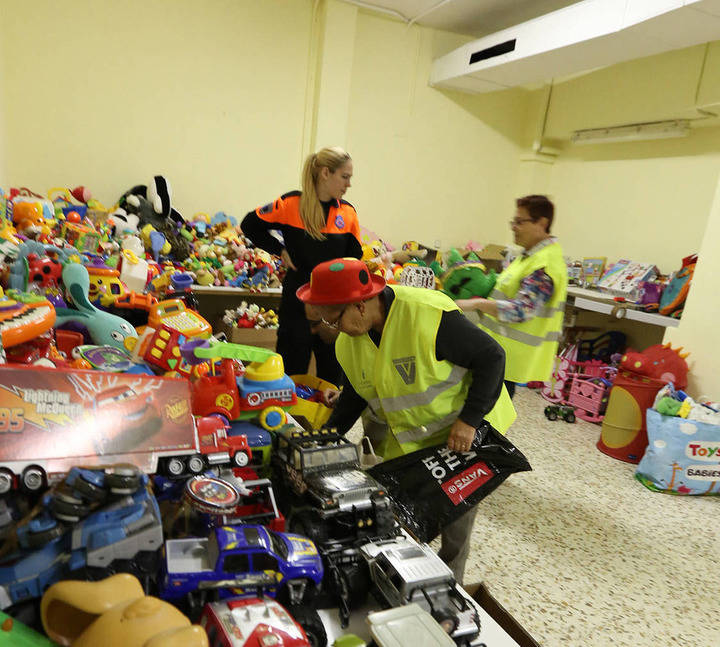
(250,316)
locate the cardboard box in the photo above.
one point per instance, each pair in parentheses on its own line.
(262,337)
(492,257)
(500,614)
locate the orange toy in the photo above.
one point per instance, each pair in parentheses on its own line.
(21,322)
(27,215)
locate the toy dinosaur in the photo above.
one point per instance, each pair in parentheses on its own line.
(104,329)
(661,361)
(465,279)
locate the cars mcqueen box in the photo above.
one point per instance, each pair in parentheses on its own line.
(55,419)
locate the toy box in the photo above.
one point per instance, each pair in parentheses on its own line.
(593,269)
(623,279)
(52,420)
(262,337)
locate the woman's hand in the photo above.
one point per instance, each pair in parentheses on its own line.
(470,304)
(287,261)
(461,436)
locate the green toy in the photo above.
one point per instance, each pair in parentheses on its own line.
(349,640)
(467,278)
(668,406)
(16,634)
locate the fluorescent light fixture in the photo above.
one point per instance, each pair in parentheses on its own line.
(633,132)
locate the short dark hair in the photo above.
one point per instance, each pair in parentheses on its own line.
(538,206)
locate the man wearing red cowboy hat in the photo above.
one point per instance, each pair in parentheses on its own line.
(411,356)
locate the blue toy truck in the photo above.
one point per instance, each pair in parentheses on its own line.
(241,560)
(122,536)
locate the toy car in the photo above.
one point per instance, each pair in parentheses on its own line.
(239,561)
(255,622)
(330,497)
(555,411)
(409,624)
(404,571)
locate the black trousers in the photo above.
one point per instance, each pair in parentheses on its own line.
(296,344)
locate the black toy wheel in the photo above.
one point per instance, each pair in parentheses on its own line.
(123,480)
(307,522)
(43,537)
(309,619)
(33,478)
(88,491)
(551,415)
(174,466)
(570,417)
(65,507)
(6,480)
(196,464)
(447,620)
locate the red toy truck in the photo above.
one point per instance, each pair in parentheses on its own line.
(53,420)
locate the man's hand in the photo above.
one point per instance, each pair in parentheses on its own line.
(330,397)
(287,260)
(461,436)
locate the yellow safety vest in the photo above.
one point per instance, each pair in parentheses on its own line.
(530,346)
(403,382)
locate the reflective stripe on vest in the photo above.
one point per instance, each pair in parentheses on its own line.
(530,346)
(403,381)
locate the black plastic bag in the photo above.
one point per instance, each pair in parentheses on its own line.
(435,486)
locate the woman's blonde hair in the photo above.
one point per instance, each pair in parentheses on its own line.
(311,211)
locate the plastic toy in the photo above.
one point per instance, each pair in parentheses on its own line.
(408,624)
(104,358)
(264,391)
(255,622)
(83,236)
(173,314)
(104,328)
(16,634)
(310,404)
(241,560)
(110,538)
(114,613)
(105,285)
(321,469)
(137,418)
(24,316)
(555,411)
(673,297)
(404,571)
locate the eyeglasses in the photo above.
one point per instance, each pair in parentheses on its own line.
(516,222)
(334,324)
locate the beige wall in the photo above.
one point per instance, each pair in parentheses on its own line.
(698,330)
(107,94)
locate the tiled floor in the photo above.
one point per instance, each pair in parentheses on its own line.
(584,556)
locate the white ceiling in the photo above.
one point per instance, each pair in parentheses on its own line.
(471,17)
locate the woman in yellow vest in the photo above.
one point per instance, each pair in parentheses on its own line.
(413,358)
(525,311)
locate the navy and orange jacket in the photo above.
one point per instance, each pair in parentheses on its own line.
(342,235)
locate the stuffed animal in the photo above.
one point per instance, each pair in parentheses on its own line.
(465,279)
(661,361)
(104,329)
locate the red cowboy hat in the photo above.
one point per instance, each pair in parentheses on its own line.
(340,281)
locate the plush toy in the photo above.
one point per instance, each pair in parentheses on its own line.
(466,279)
(104,329)
(152,205)
(660,361)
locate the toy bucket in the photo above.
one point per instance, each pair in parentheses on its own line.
(316,413)
(624,432)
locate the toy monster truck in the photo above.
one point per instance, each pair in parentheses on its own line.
(403,571)
(555,411)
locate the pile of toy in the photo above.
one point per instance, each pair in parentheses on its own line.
(142,239)
(250,316)
(682,456)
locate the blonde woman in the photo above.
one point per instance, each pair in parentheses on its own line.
(316,225)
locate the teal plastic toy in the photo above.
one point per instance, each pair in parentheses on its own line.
(104,328)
